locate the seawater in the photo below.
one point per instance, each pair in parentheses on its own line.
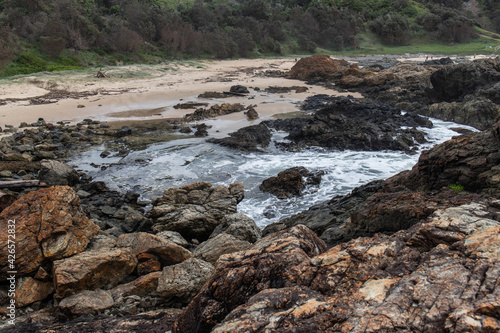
(151,171)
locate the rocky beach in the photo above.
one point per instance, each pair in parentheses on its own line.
(104,242)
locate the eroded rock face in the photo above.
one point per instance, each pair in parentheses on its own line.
(219,245)
(439,275)
(240,226)
(241,275)
(49,224)
(318,68)
(214,111)
(184,280)
(87,302)
(195,210)
(103,268)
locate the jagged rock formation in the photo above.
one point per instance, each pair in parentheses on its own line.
(195,210)
(291,182)
(214,111)
(251,138)
(440,275)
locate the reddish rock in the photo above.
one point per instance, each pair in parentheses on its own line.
(87,302)
(142,286)
(29,290)
(318,67)
(50,225)
(213,248)
(240,275)
(92,269)
(148,266)
(438,276)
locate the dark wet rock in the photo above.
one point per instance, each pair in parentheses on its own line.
(454,82)
(215,110)
(291,182)
(285,90)
(195,210)
(318,68)
(173,236)
(439,62)
(201,130)
(251,138)
(347,123)
(124,131)
(239,89)
(190,105)
(239,226)
(264,266)
(213,94)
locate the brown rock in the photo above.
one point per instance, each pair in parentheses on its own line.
(240,275)
(29,290)
(184,280)
(318,67)
(142,286)
(87,302)
(92,269)
(148,266)
(288,183)
(49,225)
(167,252)
(251,113)
(239,226)
(195,210)
(213,248)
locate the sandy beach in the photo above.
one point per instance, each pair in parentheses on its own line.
(147,92)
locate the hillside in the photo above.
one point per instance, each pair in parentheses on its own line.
(49,35)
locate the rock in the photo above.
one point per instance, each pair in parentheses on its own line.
(356,77)
(57,173)
(240,226)
(168,253)
(173,236)
(288,183)
(29,290)
(251,138)
(215,110)
(456,81)
(213,248)
(240,275)
(195,210)
(103,268)
(87,302)
(479,112)
(183,281)
(438,276)
(318,68)
(347,123)
(201,130)
(239,89)
(142,286)
(439,62)
(102,241)
(189,105)
(251,113)
(50,225)
(148,266)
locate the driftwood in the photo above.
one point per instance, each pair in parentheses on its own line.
(101,74)
(21,183)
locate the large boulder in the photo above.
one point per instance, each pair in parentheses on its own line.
(182,282)
(291,182)
(456,81)
(439,276)
(213,248)
(57,173)
(167,252)
(239,226)
(30,290)
(318,68)
(104,268)
(195,210)
(49,225)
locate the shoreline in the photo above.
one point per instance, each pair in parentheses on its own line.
(142,92)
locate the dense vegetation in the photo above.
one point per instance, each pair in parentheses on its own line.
(50,35)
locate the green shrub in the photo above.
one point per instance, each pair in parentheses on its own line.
(456,188)
(25,63)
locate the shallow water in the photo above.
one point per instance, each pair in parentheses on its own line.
(181,162)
